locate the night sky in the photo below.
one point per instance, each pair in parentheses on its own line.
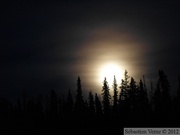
(47,45)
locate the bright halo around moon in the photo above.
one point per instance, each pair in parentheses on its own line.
(110,70)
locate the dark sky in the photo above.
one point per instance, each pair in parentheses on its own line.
(46,45)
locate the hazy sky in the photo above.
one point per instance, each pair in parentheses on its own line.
(46,46)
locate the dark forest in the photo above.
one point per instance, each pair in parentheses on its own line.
(130,105)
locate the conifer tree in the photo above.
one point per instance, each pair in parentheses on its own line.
(115,97)
(124,100)
(143,102)
(162,98)
(151,92)
(106,98)
(165,89)
(79,102)
(124,86)
(91,105)
(157,101)
(133,95)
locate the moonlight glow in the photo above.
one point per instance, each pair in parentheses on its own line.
(109,71)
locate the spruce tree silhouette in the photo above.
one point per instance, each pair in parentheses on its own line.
(124,101)
(79,103)
(157,103)
(68,108)
(144,107)
(133,97)
(151,94)
(91,107)
(115,99)
(106,99)
(166,98)
(162,99)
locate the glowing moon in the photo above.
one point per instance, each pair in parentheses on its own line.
(110,70)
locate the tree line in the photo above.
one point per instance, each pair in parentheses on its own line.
(130,105)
